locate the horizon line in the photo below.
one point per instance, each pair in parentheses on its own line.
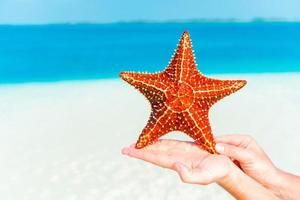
(203,20)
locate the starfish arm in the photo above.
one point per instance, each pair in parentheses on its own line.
(161,122)
(150,85)
(212,90)
(182,63)
(197,126)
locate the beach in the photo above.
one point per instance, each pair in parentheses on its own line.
(63,140)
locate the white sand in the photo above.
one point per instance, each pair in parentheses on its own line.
(62,140)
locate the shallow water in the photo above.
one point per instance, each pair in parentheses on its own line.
(89,51)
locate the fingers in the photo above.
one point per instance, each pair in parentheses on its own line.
(170,144)
(149,155)
(195,176)
(139,153)
(237,153)
(165,153)
(164,145)
(237,140)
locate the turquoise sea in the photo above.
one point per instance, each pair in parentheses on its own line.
(30,53)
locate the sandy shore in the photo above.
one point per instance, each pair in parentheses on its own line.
(62,140)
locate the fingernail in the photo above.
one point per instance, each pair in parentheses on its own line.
(219,148)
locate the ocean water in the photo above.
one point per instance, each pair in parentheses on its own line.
(30,53)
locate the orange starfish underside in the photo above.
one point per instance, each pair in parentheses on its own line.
(180,98)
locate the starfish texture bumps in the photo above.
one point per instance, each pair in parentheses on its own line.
(180,98)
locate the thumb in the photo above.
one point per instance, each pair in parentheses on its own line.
(188,175)
(240,154)
(183,172)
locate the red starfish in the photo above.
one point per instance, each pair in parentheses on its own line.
(180,98)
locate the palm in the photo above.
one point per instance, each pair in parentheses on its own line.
(203,167)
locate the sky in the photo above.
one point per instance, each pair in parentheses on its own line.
(105,11)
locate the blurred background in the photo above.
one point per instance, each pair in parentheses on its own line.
(58,40)
(65,115)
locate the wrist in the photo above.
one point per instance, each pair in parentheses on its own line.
(285,185)
(277,183)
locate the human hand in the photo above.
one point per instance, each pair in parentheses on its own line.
(256,164)
(196,166)
(193,164)
(252,159)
